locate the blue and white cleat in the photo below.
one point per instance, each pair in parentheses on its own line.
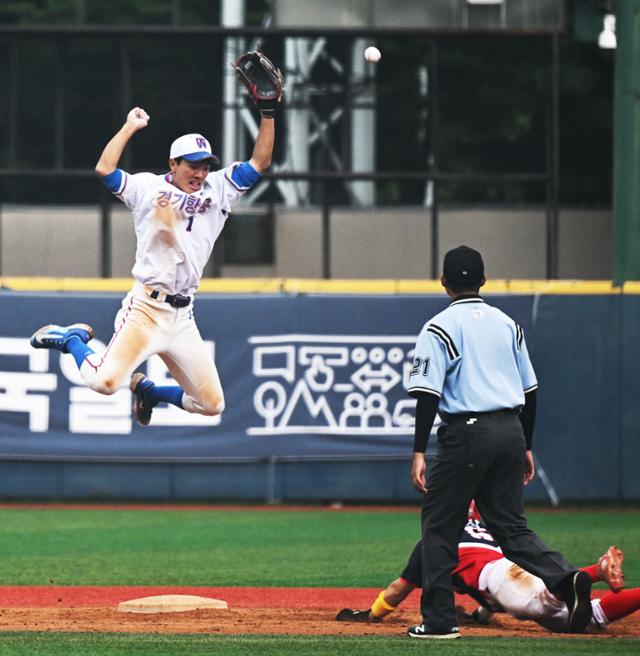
(57,337)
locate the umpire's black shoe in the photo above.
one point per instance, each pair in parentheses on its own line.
(348,615)
(577,597)
(430,633)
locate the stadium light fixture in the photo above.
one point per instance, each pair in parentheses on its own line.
(607,38)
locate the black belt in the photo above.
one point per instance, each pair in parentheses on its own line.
(174,300)
(470,415)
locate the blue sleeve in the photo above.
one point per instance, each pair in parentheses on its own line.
(112,181)
(244,176)
(430,364)
(525,368)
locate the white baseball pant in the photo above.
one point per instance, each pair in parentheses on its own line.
(144,327)
(526,597)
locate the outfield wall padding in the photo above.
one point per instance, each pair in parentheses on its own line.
(586,355)
(316,401)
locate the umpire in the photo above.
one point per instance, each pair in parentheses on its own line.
(472,367)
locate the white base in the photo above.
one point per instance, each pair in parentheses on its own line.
(170,604)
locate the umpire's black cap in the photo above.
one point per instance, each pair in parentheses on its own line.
(463,267)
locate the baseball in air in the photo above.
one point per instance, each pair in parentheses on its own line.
(372,54)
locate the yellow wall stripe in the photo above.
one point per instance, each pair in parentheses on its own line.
(316,286)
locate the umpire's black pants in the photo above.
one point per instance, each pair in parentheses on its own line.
(481,457)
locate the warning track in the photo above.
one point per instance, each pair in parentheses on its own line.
(49,596)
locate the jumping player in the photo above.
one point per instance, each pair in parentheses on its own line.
(177,217)
(500,585)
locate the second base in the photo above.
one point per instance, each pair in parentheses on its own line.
(171,604)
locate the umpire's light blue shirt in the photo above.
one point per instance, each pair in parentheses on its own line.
(474,357)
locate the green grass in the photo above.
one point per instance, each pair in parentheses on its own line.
(106,547)
(314,548)
(109,644)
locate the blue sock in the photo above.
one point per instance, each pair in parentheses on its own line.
(78,349)
(169,394)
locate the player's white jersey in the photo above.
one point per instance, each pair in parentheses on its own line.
(176,267)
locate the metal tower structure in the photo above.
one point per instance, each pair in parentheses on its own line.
(329,117)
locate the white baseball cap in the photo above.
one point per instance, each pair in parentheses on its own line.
(193,147)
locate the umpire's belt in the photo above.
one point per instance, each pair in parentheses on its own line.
(174,300)
(494,414)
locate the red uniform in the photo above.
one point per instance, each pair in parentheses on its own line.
(504,586)
(476,548)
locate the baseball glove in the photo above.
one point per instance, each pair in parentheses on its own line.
(348,615)
(263,81)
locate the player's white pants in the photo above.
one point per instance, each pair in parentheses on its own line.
(144,327)
(526,597)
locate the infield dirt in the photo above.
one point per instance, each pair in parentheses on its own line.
(301,611)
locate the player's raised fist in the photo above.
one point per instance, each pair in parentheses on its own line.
(138,118)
